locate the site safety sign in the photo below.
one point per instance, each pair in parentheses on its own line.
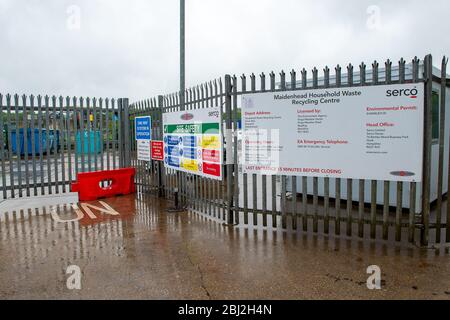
(193,142)
(371,132)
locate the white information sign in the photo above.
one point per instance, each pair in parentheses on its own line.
(144,150)
(370,133)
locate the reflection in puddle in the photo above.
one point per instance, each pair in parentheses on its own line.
(58,235)
(142,242)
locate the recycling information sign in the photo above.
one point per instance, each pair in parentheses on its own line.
(143,126)
(371,132)
(193,142)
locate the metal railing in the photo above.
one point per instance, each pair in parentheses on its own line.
(46,141)
(260,200)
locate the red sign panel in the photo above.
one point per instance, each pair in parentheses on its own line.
(211,155)
(211,169)
(158,150)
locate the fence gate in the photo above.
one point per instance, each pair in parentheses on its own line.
(45,141)
(340,207)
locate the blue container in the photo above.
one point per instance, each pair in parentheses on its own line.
(52,139)
(95,148)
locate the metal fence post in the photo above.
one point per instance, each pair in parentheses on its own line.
(428,75)
(3,154)
(126,132)
(120,148)
(161,186)
(229,150)
(441,149)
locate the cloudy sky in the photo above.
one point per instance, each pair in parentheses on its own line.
(130,48)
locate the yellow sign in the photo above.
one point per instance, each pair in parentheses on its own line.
(211,142)
(190,165)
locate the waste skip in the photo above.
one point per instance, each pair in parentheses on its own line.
(42,138)
(95,143)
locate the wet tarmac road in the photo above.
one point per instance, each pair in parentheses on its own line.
(146,253)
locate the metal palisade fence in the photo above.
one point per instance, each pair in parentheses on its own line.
(200,193)
(331,206)
(46,141)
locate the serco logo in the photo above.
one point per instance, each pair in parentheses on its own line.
(187,116)
(403,174)
(213,114)
(412,93)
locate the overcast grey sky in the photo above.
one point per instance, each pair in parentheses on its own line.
(131,48)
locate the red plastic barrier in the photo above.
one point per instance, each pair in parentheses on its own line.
(115,182)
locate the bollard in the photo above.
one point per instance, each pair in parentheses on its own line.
(177,207)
